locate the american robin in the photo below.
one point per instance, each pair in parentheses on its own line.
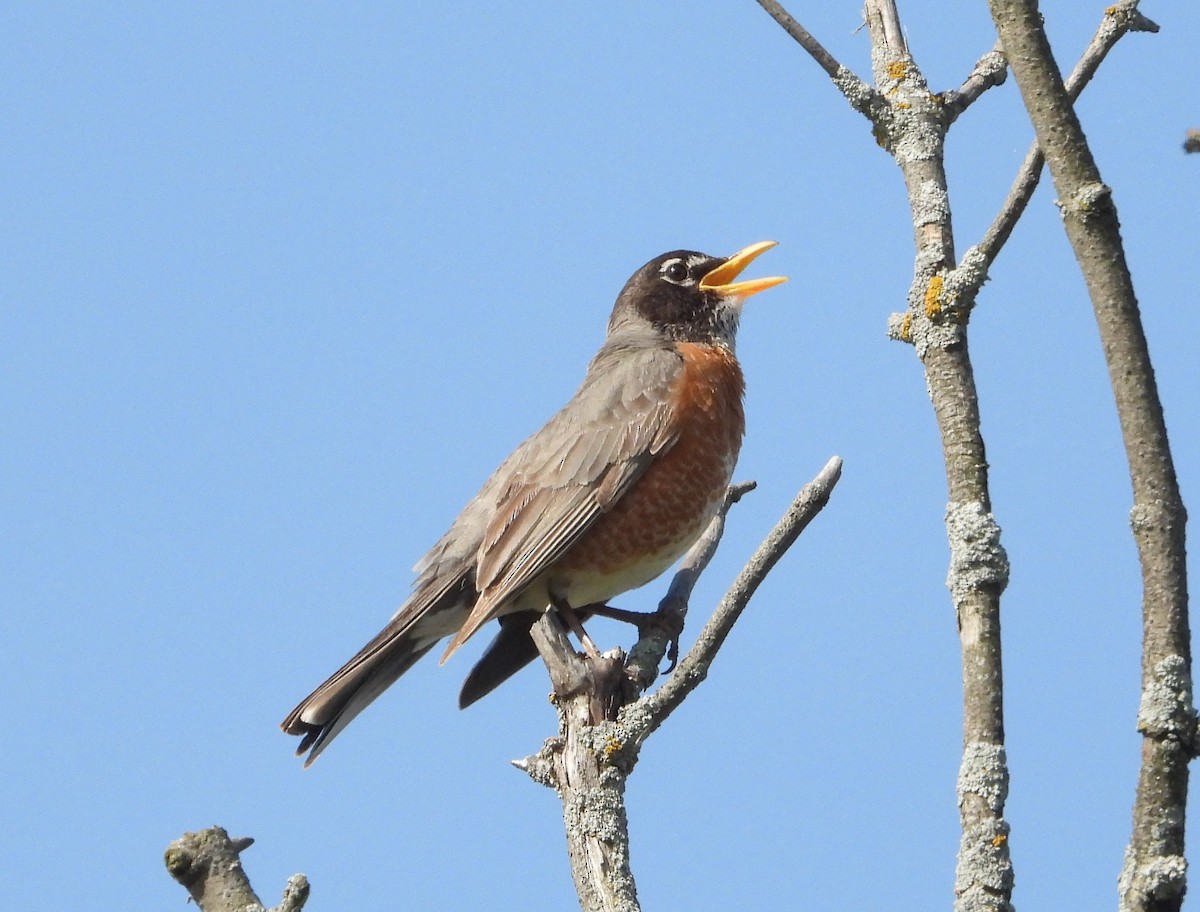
(605,497)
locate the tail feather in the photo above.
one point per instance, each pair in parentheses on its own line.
(510,651)
(332,706)
(431,614)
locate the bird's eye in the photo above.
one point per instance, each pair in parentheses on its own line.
(675,271)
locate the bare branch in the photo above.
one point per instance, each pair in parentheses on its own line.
(1118,21)
(1154,874)
(883,21)
(207,863)
(803,37)
(991,70)
(694,666)
(860,95)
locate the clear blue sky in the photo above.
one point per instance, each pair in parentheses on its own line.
(282,284)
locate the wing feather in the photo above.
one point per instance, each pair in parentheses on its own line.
(573,470)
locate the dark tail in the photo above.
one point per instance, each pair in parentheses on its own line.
(330,708)
(510,651)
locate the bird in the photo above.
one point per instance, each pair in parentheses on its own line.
(610,493)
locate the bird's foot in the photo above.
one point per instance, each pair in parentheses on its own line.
(668,619)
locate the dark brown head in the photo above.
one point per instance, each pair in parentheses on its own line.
(690,297)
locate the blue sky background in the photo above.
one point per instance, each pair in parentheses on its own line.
(282,284)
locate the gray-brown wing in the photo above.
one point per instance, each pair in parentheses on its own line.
(574,469)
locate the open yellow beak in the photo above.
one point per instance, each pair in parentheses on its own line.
(721,279)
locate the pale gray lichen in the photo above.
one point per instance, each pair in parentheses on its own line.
(898,325)
(977,559)
(984,772)
(983,875)
(597,812)
(916,136)
(991,65)
(1087,200)
(1152,515)
(922,332)
(860,95)
(1160,877)
(964,281)
(930,204)
(1166,708)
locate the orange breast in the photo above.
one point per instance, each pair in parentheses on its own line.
(669,506)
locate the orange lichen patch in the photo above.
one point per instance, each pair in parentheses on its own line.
(906,327)
(933,296)
(668,507)
(897,68)
(999,840)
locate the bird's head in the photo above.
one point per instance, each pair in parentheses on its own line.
(685,296)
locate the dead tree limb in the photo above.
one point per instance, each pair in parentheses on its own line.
(208,863)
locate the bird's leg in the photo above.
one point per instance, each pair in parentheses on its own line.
(668,618)
(571,619)
(605,694)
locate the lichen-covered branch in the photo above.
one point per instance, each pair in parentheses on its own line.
(939,305)
(1153,877)
(208,863)
(861,96)
(990,70)
(1118,20)
(910,122)
(590,759)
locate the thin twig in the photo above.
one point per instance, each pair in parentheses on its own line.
(803,37)
(694,666)
(990,70)
(861,96)
(1118,21)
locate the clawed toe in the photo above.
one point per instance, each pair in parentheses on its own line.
(668,619)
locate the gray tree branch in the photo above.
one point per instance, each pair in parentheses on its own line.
(1154,873)
(936,322)
(911,124)
(990,70)
(208,863)
(1119,19)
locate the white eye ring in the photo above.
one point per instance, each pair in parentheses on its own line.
(675,271)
